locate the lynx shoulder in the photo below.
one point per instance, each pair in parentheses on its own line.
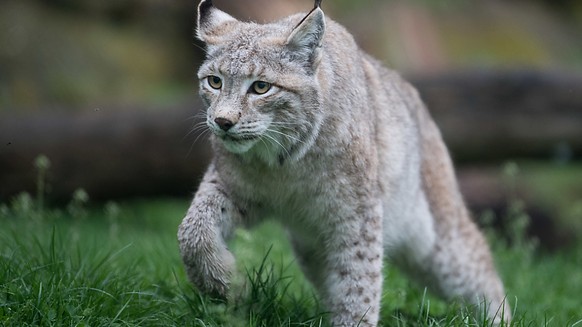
(309,130)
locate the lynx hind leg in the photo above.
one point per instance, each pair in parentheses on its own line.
(461,267)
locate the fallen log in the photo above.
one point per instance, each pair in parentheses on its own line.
(108,152)
(114,153)
(495,116)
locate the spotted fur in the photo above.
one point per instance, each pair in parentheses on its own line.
(343,153)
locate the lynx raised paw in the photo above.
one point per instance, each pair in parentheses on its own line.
(208,263)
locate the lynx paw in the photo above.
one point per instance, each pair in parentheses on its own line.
(209,264)
(211,272)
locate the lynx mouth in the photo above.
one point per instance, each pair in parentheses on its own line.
(239,138)
(239,143)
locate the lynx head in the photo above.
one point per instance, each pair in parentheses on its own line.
(259,82)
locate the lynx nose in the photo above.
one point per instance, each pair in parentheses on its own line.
(224,123)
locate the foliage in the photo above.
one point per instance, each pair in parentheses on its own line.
(91,54)
(118,264)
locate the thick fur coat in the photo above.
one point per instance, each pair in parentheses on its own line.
(311,131)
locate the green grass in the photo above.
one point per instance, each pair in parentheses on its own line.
(559,189)
(118,265)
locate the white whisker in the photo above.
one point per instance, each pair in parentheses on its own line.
(196,140)
(261,138)
(198,115)
(296,139)
(196,128)
(278,143)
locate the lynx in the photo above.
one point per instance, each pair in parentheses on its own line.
(309,130)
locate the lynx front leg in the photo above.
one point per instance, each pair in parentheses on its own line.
(210,220)
(346,268)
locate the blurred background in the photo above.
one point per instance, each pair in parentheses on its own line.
(107,91)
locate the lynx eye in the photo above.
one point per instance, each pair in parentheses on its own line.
(260,87)
(215,82)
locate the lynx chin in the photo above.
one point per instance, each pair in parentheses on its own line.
(311,131)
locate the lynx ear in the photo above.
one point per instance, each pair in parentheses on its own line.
(306,39)
(209,19)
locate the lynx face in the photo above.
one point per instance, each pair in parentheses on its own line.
(259,84)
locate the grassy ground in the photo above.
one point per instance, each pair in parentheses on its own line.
(118,265)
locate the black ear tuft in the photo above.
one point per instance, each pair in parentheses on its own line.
(317,3)
(204,8)
(204,11)
(209,21)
